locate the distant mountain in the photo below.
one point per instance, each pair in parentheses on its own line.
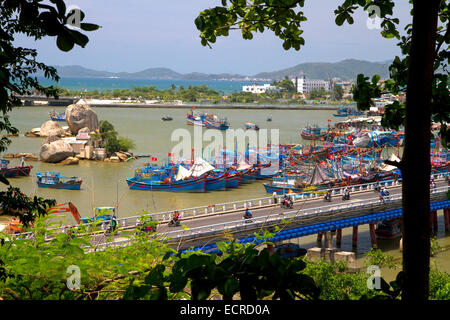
(346,70)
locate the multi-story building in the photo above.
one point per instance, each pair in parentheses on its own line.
(259,89)
(307,85)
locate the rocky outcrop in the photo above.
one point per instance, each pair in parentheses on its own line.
(80,116)
(51,139)
(69,161)
(56,151)
(51,128)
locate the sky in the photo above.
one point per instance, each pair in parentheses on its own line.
(140,34)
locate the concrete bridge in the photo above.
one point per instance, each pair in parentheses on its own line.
(203,226)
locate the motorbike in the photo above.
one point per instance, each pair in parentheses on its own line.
(174,223)
(287,204)
(377,188)
(346,196)
(327,197)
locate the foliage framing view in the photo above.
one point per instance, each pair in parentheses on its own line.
(421,72)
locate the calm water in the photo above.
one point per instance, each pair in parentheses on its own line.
(102,84)
(103,183)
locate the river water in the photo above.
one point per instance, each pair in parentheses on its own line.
(104,183)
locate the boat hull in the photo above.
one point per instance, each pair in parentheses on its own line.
(217,183)
(183,186)
(233,182)
(65,185)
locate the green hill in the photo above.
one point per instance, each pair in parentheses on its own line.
(346,70)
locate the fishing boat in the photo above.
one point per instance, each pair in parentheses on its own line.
(233,179)
(12,172)
(57,116)
(212,121)
(56,181)
(164,178)
(167,118)
(389,229)
(377,139)
(195,119)
(313,133)
(347,111)
(216,181)
(251,126)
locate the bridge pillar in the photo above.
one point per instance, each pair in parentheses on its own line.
(319,237)
(373,237)
(433,221)
(338,237)
(355,237)
(447,219)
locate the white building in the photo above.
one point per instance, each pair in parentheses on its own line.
(307,85)
(259,89)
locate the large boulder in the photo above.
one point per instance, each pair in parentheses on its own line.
(51,128)
(51,139)
(79,116)
(56,151)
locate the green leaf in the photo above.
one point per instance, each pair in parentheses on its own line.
(64,43)
(89,26)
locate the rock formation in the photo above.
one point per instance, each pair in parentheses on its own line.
(55,151)
(79,116)
(51,128)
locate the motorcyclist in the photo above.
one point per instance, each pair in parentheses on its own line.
(432,183)
(377,186)
(175,217)
(383,194)
(346,194)
(113,224)
(328,195)
(248,214)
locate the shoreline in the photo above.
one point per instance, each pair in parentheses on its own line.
(212,106)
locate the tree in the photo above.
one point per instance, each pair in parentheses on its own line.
(425,50)
(287,85)
(338,92)
(18,65)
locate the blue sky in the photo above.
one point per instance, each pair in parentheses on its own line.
(140,34)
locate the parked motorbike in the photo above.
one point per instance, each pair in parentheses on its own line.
(346,196)
(288,204)
(327,197)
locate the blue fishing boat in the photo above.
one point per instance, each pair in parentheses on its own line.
(233,179)
(56,181)
(216,182)
(55,116)
(164,179)
(347,111)
(313,133)
(192,185)
(211,121)
(251,126)
(195,119)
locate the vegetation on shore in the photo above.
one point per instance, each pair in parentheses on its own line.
(147,269)
(201,94)
(109,139)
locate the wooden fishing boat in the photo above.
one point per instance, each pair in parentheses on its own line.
(55,116)
(389,229)
(55,181)
(313,133)
(148,184)
(12,172)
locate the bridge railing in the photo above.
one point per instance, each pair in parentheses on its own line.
(326,213)
(236,205)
